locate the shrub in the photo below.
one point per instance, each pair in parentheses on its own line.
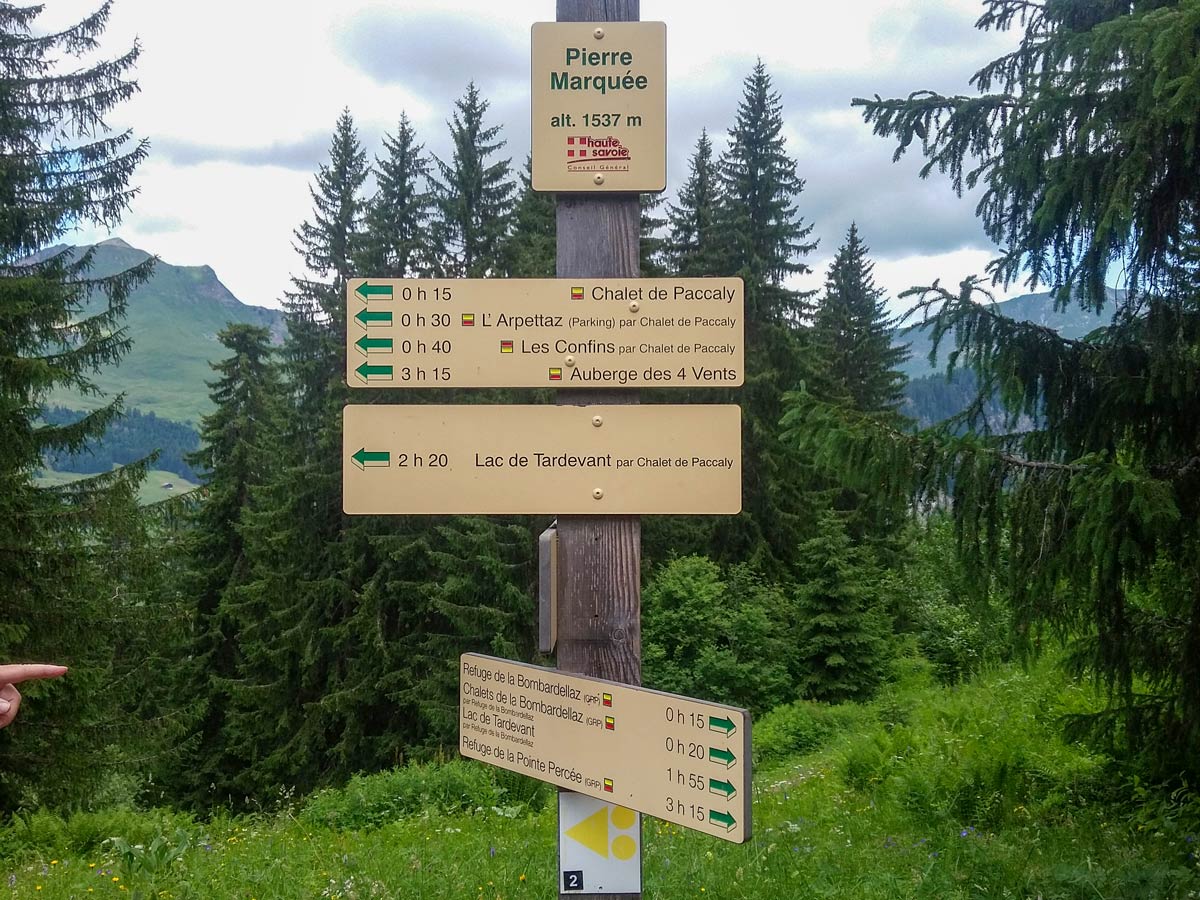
(370,801)
(805,727)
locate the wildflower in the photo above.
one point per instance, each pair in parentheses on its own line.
(492,851)
(91,865)
(54,862)
(522,878)
(116,878)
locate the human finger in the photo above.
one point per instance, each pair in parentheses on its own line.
(10,703)
(29,672)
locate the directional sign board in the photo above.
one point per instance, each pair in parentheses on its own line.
(681,760)
(599,106)
(594,460)
(545,332)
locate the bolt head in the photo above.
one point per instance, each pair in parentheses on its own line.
(634,306)
(598,493)
(597,421)
(598,178)
(598,34)
(570,360)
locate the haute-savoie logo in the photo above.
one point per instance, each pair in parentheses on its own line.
(587,153)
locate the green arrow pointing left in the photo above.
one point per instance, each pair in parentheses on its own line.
(721,787)
(369,292)
(365,457)
(380,373)
(373,345)
(724,757)
(368,318)
(725,726)
(721,818)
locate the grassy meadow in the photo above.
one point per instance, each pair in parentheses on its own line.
(929,791)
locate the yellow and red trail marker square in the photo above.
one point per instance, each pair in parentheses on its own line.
(468,318)
(577,293)
(610,724)
(506,346)
(556,374)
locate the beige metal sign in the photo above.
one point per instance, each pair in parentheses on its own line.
(593,460)
(679,759)
(599,106)
(545,332)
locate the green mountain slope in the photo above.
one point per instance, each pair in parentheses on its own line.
(173,319)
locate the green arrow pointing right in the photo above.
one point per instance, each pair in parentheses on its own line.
(365,457)
(722,787)
(721,818)
(724,757)
(725,726)
(369,317)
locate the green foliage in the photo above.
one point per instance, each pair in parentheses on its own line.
(855,363)
(73,585)
(842,627)
(143,865)
(692,247)
(127,440)
(804,727)
(1084,139)
(372,801)
(473,194)
(975,795)
(530,250)
(236,453)
(958,630)
(395,243)
(1084,142)
(725,636)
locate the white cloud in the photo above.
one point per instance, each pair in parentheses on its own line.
(239,97)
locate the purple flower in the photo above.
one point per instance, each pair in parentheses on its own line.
(492,851)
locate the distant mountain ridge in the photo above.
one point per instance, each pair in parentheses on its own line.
(930,397)
(1073,322)
(173,320)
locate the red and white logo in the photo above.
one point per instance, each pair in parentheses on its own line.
(587,153)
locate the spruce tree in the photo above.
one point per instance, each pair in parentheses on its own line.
(1082,140)
(395,242)
(293,610)
(60,166)
(763,234)
(841,632)
(530,250)
(853,358)
(692,246)
(235,455)
(763,239)
(474,194)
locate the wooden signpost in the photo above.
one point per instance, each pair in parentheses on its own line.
(598,459)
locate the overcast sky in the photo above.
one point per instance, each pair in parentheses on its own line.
(239,99)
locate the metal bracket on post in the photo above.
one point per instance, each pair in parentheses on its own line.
(548,589)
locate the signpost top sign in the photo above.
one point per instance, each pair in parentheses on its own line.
(599,106)
(676,758)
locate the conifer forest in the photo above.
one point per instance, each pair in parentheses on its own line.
(971,647)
